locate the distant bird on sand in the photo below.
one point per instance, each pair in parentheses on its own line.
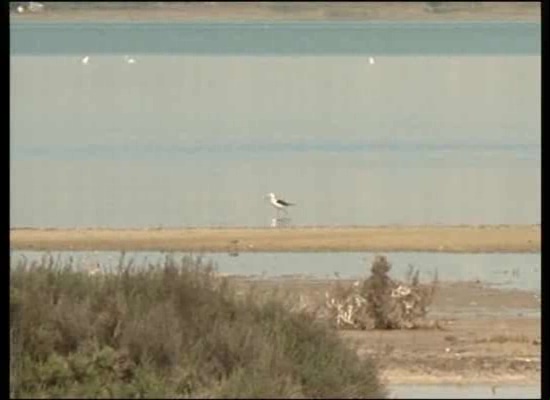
(279,204)
(130,60)
(85,60)
(371,60)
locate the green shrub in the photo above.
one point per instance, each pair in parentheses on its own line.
(169,330)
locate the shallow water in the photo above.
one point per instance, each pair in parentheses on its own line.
(441,129)
(512,271)
(464,392)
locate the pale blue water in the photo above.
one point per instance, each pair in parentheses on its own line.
(444,127)
(509,271)
(465,391)
(276,38)
(502,271)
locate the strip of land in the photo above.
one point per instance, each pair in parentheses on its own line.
(303,11)
(459,239)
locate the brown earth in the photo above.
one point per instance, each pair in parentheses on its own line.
(303,11)
(494,238)
(497,346)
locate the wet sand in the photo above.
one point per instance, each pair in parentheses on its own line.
(497,351)
(501,348)
(459,239)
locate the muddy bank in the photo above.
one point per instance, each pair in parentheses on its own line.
(499,350)
(460,239)
(502,345)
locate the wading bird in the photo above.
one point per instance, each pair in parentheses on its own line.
(279,204)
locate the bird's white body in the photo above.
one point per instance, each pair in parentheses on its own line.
(274,203)
(371,60)
(129,59)
(279,204)
(85,60)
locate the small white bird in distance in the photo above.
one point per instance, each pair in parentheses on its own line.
(371,60)
(85,60)
(279,204)
(129,59)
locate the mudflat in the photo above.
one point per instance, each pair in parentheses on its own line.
(459,239)
(484,335)
(498,350)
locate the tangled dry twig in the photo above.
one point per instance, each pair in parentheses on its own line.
(379,302)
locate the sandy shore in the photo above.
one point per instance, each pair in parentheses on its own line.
(303,11)
(460,239)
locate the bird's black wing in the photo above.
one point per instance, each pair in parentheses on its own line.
(284,203)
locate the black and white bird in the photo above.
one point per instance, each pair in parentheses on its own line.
(279,204)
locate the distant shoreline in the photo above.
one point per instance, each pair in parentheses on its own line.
(299,11)
(453,239)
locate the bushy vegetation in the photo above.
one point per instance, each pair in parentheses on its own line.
(172,330)
(380,302)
